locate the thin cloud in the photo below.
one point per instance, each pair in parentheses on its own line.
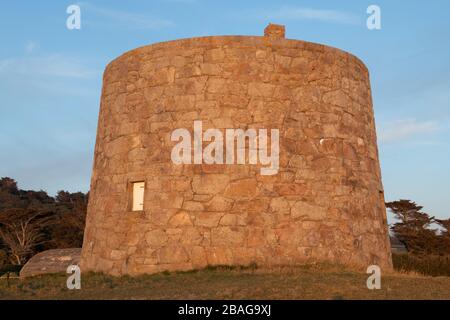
(54,65)
(30,46)
(127,19)
(181,1)
(401,130)
(38,78)
(301,13)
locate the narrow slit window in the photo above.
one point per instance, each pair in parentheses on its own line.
(138,196)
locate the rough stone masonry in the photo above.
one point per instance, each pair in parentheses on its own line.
(325,203)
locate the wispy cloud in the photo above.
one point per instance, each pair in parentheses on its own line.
(54,65)
(301,13)
(181,1)
(46,76)
(401,130)
(30,46)
(126,19)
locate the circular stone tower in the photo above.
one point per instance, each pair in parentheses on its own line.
(158,202)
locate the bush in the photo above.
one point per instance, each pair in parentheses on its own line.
(430,265)
(3,258)
(10,268)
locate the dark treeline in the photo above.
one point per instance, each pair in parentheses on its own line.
(33,221)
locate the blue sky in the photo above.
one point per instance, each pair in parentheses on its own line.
(50,78)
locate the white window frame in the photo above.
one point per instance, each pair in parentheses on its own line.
(137,196)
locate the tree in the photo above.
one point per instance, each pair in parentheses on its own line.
(68,230)
(446,225)
(22,231)
(445,235)
(413,228)
(23,217)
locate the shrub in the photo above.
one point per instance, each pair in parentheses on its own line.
(431,265)
(3,258)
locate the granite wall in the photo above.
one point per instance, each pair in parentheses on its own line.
(326,202)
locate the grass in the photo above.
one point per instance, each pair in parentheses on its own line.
(426,265)
(306,282)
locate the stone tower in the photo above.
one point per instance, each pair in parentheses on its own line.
(324,202)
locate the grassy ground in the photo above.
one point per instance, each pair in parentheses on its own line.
(427,265)
(308,282)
